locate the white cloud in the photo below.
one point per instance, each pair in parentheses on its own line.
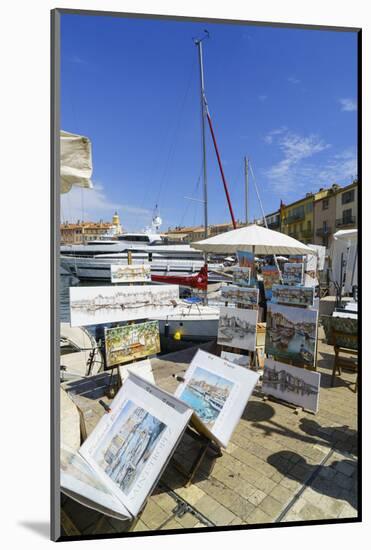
(347,104)
(262,97)
(94,205)
(293,80)
(273,133)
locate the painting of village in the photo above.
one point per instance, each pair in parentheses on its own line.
(131,342)
(245,296)
(110,304)
(128,444)
(134,273)
(271,276)
(291,334)
(245,259)
(241,275)
(293,295)
(294,385)
(206,393)
(237,328)
(293,273)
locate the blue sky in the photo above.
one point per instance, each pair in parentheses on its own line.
(286,98)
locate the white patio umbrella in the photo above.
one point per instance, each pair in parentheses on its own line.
(76,161)
(255,239)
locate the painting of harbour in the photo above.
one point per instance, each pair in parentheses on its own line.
(131,342)
(134,273)
(206,393)
(237,328)
(292,384)
(127,446)
(291,334)
(109,304)
(293,273)
(236,358)
(245,296)
(271,276)
(241,275)
(293,295)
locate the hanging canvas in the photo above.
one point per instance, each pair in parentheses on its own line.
(218,391)
(293,273)
(237,328)
(133,273)
(241,275)
(131,342)
(271,276)
(293,295)
(292,384)
(245,296)
(95,305)
(291,334)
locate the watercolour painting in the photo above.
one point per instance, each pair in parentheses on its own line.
(236,358)
(237,328)
(241,275)
(293,295)
(293,273)
(271,276)
(134,273)
(291,334)
(242,295)
(295,385)
(108,304)
(131,342)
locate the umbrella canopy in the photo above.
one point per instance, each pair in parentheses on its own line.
(76,161)
(253,238)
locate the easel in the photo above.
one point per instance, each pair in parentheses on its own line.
(206,444)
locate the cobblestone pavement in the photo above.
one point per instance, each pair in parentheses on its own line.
(278,467)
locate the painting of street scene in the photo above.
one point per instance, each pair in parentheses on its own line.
(131,342)
(293,273)
(206,393)
(245,296)
(245,259)
(241,275)
(130,273)
(109,304)
(237,328)
(127,446)
(293,295)
(294,385)
(291,334)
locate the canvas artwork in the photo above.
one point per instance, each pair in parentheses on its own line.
(218,391)
(237,328)
(108,304)
(292,384)
(134,273)
(236,358)
(245,296)
(293,273)
(291,334)
(271,276)
(241,275)
(130,446)
(293,295)
(131,342)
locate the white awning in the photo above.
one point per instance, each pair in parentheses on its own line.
(76,161)
(253,238)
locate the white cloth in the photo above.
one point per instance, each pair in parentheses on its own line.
(76,165)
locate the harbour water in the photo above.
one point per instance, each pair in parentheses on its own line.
(200,405)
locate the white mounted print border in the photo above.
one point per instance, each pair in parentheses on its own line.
(134,273)
(237,328)
(96,305)
(295,385)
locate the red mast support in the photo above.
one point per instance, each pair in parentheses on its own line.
(221,169)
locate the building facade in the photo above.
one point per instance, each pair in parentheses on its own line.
(274,221)
(346,207)
(297,219)
(325,215)
(197,233)
(82,232)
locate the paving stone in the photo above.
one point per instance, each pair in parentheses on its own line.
(258,516)
(242,508)
(191,494)
(221,516)
(282,494)
(206,505)
(348,511)
(271,506)
(257,497)
(346,468)
(310,512)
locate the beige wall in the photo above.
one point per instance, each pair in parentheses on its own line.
(324,215)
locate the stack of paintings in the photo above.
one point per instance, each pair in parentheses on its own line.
(218,391)
(237,328)
(291,334)
(293,295)
(241,295)
(131,342)
(294,385)
(120,462)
